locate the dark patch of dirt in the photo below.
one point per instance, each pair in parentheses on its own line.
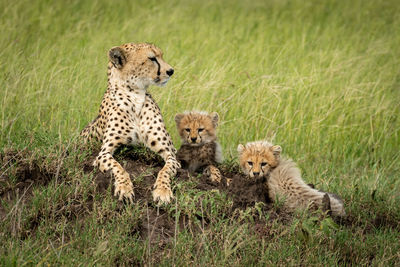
(26,172)
(157,227)
(246,193)
(156,224)
(378,220)
(21,171)
(385,220)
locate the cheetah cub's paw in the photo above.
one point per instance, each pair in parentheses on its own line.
(124,189)
(213,174)
(163,194)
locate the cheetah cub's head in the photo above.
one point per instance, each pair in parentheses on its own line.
(258,158)
(196,128)
(139,65)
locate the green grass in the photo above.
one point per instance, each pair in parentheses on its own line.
(319,78)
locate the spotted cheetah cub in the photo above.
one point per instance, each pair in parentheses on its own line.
(261,159)
(200,148)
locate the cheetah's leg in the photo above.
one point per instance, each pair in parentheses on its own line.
(154,134)
(213,172)
(162,188)
(106,162)
(91,131)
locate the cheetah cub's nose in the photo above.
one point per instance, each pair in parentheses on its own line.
(193,139)
(170,72)
(256,173)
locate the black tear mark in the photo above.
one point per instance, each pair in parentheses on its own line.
(158,64)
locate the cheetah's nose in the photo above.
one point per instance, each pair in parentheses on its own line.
(256,173)
(193,139)
(170,72)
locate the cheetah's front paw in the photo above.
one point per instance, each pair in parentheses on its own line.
(162,194)
(124,191)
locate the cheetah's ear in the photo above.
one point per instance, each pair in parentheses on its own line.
(178,118)
(276,150)
(214,118)
(240,149)
(117,57)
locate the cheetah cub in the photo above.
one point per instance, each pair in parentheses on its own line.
(261,159)
(200,148)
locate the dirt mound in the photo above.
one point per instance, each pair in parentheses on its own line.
(144,169)
(244,193)
(156,224)
(21,171)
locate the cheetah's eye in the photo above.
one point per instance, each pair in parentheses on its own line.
(153,58)
(250,163)
(187,130)
(263,164)
(200,130)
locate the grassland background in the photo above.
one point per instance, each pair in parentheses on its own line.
(320,78)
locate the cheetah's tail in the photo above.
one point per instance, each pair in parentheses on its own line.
(337,205)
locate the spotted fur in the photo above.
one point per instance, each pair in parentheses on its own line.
(129,115)
(283,178)
(200,148)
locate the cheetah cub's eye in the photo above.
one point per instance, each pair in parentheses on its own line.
(200,130)
(187,129)
(250,163)
(263,164)
(153,58)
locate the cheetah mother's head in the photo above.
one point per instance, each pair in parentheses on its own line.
(139,65)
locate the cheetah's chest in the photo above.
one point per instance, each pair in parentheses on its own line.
(194,157)
(122,110)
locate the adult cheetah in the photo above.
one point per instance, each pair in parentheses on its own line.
(129,115)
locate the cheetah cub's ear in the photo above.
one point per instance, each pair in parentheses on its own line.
(178,118)
(240,149)
(214,118)
(276,150)
(117,57)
